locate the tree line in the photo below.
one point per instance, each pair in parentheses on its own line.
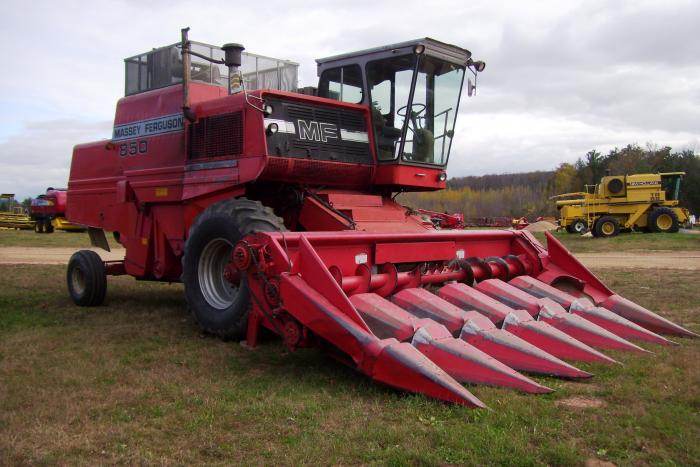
(5,204)
(527,194)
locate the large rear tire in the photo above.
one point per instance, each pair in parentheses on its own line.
(607,226)
(217,305)
(87,278)
(663,220)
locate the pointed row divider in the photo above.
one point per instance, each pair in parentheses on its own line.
(479,331)
(613,322)
(520,323)
(459,359)
(547,310)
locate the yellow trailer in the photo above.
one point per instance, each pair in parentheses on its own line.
(13,215)
(61,223)
(646,202)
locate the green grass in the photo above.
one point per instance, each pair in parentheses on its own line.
(134,382)
(627,242)
(576,243)
(57,239)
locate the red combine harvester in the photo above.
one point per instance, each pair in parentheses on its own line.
(275,209)
(48,212)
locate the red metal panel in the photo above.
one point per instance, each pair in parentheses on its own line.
(311,268)
(561,260)
(389,212)
(315,216)
(348,200)
(411,252)
(426,178)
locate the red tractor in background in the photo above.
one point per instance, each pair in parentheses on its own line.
(275,207)
(48,212)
(443,220)
(46,207)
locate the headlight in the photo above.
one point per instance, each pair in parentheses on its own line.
(268,110)
(442,177)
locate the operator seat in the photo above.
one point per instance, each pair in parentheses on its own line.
(386,135)
(423,145)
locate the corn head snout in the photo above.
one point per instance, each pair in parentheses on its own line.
(424,312)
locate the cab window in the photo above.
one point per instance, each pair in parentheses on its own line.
(389,82)
(342,84)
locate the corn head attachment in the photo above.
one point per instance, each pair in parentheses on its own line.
(423,312)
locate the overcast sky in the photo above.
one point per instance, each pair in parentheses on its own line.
(562,77)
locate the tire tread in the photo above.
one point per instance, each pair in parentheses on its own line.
(655,213)
(249,216)
(95,278)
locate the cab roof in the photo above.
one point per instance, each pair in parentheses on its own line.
(448,52)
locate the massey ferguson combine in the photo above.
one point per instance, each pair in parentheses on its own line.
(276,210)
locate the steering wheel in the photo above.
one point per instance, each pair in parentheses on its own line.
(402,110)
(413,116)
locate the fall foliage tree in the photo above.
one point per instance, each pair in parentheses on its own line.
(527,194)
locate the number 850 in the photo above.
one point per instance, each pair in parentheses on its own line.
(133,148)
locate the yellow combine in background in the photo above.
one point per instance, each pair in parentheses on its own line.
(646,202)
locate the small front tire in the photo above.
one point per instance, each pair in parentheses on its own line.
(579,226)
(86,278)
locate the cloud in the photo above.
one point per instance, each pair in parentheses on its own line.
(39,155)
(562,77)
(508,143)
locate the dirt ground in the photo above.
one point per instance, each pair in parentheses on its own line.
(685,260)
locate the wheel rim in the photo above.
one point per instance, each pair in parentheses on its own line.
(608,228)
(664,222)
(77,279)
(216,290)
(579,227)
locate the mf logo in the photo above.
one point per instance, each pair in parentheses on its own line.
(317,131)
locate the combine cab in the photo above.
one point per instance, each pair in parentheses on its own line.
(275,207)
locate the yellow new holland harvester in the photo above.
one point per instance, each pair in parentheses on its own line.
(646,202)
